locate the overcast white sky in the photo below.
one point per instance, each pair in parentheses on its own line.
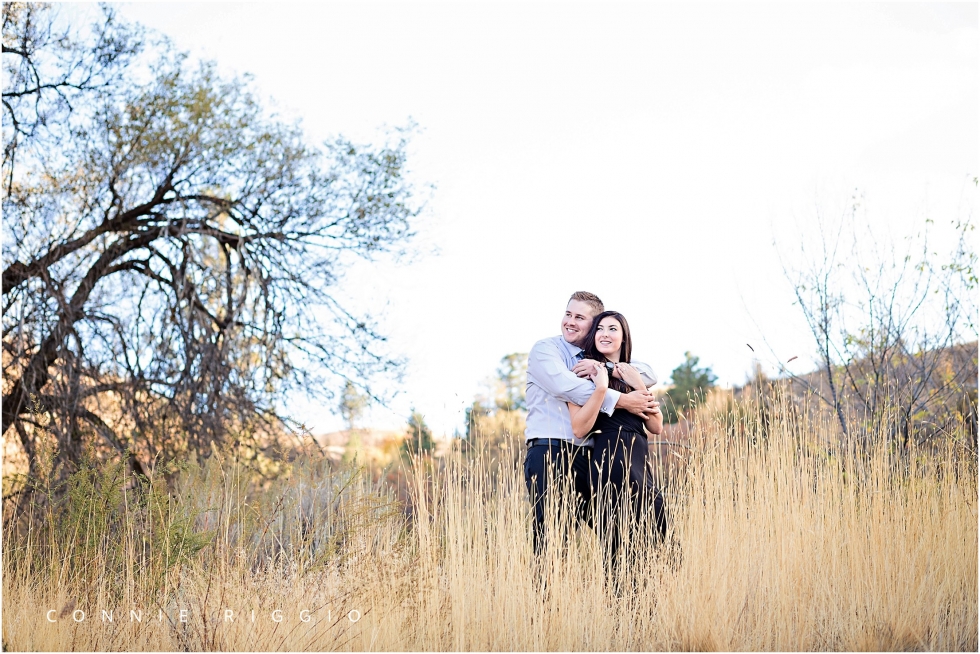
(649,153)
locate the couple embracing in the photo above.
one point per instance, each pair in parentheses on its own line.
(588,404)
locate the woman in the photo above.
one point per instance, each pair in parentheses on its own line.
(621,470)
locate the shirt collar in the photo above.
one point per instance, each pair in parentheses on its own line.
(573,350)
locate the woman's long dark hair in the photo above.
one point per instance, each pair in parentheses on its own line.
(625,350)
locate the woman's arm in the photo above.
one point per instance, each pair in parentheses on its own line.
(583,417)
(655,423)
(631,376)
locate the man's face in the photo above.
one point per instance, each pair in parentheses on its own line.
(577,321)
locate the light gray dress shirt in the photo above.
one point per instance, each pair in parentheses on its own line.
(551,385)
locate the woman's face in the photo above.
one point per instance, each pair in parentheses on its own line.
(609,338)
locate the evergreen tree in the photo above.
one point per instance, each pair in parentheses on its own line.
(352,405)
(512,382)
(419,438)
(690,383)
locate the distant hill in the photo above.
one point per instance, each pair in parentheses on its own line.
(374,445)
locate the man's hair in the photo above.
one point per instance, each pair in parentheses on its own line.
(589,298)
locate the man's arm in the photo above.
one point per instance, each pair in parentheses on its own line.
(646,372)
(638,402)
(547,369)
(641,402)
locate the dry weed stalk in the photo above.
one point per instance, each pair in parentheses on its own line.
(779,541)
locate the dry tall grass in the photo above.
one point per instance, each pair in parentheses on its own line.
(777,544)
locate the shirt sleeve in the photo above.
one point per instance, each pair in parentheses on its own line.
(646,373)
(609,404)
(548,370)
(612,397)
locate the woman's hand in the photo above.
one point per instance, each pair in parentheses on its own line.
(630,375)
(600,377)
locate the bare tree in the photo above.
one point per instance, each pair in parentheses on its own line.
(171,250)
(889,322)
(49,75)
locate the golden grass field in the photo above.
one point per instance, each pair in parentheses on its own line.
(777,543)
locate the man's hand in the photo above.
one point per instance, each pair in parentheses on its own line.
(584,368)
(640,403)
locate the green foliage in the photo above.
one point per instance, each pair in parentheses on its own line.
(512,382)
(495,422)
(353,446)
(419,439)
(353,403)
(107,538)
(690,383)
(102,522)
(472,414)
(495,436)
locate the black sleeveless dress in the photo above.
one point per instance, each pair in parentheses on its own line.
(621,472)
(620,456)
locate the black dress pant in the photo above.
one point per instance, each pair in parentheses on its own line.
(561,466)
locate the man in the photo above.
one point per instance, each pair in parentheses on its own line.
(555,376)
